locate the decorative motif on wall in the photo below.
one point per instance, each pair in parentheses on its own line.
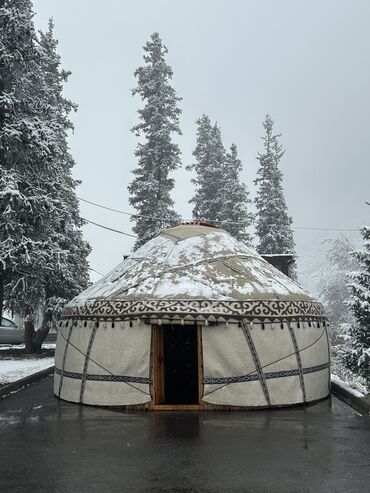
(196,309)
(102,378)
(256,360)
(299,361)
(64,358)
(254,376)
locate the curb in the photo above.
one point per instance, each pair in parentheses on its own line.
(361,404)
(18,384)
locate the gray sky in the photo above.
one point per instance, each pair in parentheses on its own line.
(304,62)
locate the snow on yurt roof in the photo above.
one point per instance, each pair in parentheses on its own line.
(190,262)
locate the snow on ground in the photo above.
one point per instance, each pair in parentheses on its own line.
(345,386)
(5,347)
(15,369)
(345,377)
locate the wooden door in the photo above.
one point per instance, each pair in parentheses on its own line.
(157,365)
(158,372)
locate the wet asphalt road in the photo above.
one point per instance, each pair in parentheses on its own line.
(51,446)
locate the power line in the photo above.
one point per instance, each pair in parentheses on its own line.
(206,220)
(107,208)
(109,229)
(97,272)
(326,229)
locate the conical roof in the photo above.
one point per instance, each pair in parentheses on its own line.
(194,271)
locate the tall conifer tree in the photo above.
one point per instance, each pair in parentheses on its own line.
(209,164)
(25,248)
(42,254)
(236,201)
(158,155)
(220,197)
(71,274)
(273,225)
(357,346)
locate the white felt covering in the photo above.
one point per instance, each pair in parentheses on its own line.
(226,353)
(120,350)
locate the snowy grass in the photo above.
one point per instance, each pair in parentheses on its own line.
(16,364)
(12,370)
(343,385)
(8,347)
(344,377)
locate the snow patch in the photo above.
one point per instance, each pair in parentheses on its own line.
(13,370)
(345,386)
(7,347)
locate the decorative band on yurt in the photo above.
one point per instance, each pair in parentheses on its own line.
(64,360)
(103,378)
(256,360)
(299,361)
(250,377)
(197,309)
(87,360)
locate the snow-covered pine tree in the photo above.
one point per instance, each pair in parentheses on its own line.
(40,239)
(209,167)
(71,273)
(236,202)
(357,346)
(158,155)
(273,225)
(333,285)
(25,248)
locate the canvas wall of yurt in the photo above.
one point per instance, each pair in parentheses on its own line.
(193,319)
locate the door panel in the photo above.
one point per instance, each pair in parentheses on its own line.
(158,365)
(177,369)
(180,348)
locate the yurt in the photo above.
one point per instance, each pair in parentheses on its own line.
(193,320)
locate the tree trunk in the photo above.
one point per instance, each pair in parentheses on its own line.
(41,334)
(28,336)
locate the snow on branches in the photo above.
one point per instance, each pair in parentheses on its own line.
(158,155)
(42,254)
(220,197)
(273,225)
(356,351)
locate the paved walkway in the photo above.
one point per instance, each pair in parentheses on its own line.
(51,446)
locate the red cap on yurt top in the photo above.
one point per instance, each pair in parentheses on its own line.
(197,223)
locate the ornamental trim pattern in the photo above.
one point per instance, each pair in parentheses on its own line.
(64,359)
(196,309)
(299,361)
(102,378)
(87,361)
(251,377)
(256,360)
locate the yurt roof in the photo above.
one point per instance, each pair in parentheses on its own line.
(193,270)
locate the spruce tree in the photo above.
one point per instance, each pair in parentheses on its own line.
(70,275)
(25,248)
(333,283)
(42,254)
(357,347)
(236,215)
(157,155)
(273,224)
(209,167)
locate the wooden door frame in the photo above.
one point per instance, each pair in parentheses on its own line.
(157,385)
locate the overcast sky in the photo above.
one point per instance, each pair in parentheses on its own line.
(304,62)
